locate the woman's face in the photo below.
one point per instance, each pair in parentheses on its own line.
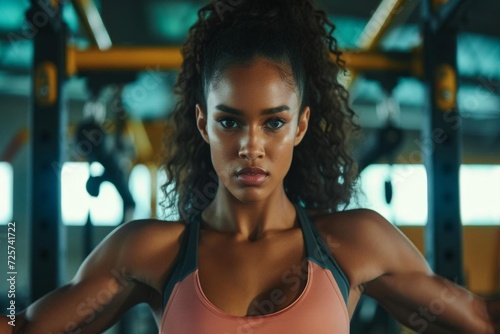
(252,121)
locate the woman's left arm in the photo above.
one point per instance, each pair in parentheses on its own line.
(419,299)
(493,309)
(428,303)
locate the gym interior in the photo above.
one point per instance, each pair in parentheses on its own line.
(86,87)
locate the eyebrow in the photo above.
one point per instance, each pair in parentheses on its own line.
(267,111)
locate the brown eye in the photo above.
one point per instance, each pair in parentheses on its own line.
(275,123)
(228,123)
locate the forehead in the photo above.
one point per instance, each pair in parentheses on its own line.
(259,84)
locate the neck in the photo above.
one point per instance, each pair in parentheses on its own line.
(249,220)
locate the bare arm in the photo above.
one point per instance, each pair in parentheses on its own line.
(428,303)
(105,286)
(493,307)
(4,325)
(418,298)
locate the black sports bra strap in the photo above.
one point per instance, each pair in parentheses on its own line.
(312,250)
(319,252)
(187,259)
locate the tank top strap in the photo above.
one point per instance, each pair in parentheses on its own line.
(187,259)
(318,251)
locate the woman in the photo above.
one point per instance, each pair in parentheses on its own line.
(259,170)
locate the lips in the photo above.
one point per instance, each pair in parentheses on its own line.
(251,176)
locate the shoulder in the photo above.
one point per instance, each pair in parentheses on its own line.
(368,245)
(358,225)
(148,232)
(146,249)
(138,235)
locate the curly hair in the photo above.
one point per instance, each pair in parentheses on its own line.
(290,32)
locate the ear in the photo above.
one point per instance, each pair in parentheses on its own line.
(302,127)
(201,123)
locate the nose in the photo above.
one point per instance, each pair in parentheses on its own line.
(251,145)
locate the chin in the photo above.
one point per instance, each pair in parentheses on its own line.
(249,195)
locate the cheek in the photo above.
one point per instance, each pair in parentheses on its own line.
(223,150)
(222,145)
(280,150)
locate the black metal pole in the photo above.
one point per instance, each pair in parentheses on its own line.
(48,124)
(441,136)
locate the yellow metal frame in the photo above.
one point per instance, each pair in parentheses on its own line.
(46,84)
(381,21)
(92,23)
(446,88)
(388,14)
(169,58)
(375,61)
(123,58)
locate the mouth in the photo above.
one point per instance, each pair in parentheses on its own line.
(251,176)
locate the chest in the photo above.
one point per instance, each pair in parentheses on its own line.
(252,279)
(319,309)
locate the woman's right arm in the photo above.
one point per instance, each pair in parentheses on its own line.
(105,286)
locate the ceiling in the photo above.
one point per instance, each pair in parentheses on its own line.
(166,22)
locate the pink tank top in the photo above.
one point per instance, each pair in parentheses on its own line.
(320,308)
